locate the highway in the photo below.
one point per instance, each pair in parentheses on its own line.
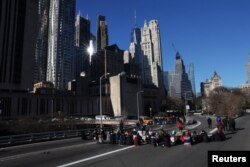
(76,152)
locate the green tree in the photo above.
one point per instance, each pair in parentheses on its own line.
(172,104)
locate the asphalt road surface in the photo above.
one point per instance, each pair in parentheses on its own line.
(75,152)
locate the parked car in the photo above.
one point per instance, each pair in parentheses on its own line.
(147,120)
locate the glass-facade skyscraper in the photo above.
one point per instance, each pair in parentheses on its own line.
(82,38)
(102,33)
(61,42)
(191,77)
(42,42)
(179,83)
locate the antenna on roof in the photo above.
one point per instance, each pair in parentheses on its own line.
(135,18)
(174,48)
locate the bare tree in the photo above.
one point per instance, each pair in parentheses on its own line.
(224,101)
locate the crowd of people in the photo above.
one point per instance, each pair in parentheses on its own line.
(140,135)
(226,124)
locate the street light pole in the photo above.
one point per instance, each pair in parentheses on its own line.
(105,75)
(186,106)
(138,112)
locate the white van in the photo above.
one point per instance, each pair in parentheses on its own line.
(103,117)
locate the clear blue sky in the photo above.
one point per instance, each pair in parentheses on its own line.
(212,34)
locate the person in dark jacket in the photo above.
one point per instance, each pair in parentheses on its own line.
(231,123)
(209,122)
(204,136)
(225,123)
(194,138)
(166,140)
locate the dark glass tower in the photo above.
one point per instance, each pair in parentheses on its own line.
(191,77)
(102,33)
(136,45)
(82,38)
(179,84)
(42,41)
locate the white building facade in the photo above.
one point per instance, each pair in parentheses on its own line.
(152,55)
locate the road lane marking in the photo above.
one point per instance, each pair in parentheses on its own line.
(43,151)
(214,130)
(96,156)
(28,145)
(193,126)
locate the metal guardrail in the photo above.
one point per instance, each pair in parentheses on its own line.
(44,136)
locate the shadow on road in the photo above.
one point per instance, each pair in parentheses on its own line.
(230,133)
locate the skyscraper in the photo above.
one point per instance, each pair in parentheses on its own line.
(42,41)
(136,52)
(61,42)
(135,45)
(179,84)
(156,40)
(191,77)
(147,48)
(82,38)
(18,23)
(102,33)
(152,56)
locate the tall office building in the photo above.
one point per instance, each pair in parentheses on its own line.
(102,33)
(156,40)
(18,31)
(82,38)
(179,84)
(42,41)
(151,50)
(135,64)
(61,42)
(165,80)
(248,70)
(191,77)
(135,45)
(147,48)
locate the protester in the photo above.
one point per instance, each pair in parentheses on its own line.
(219,127)
(209,122)
(180,124)
(187,139)
(225,123)
(166,140)
(204,136)
(173,138)
(194,138)
(231,123)
(121,125)
(218,119)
